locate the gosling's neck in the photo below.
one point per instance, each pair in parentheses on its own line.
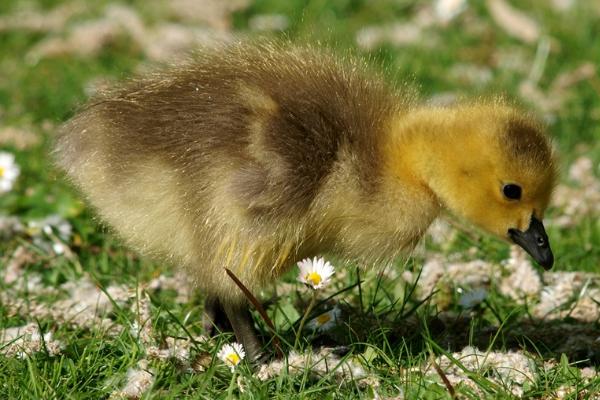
(431,150)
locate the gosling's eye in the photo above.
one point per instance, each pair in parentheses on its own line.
(512,191)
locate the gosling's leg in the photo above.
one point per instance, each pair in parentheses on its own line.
(243,327)
(214,319)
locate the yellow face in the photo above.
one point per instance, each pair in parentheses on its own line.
(505,198)
(503,185)
(488,163)
(497,170)
(499,202)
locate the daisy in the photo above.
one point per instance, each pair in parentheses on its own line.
(316,273)
(325,321)
(232,354)
(9,171)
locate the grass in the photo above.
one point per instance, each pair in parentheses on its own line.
(387,328)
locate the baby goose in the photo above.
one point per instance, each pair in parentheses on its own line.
(254,156)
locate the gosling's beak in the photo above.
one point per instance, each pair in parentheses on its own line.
(535,241)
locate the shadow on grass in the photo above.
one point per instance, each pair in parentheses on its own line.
(550,339)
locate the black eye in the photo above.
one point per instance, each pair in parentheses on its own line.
(512,191)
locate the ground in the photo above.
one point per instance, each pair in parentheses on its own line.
(82,316)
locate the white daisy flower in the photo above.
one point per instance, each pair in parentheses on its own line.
(9,171)
(316,273)
(232,354)
(325,321)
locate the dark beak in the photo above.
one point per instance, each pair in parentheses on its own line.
(535,241)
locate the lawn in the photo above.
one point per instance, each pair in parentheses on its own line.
(465,316)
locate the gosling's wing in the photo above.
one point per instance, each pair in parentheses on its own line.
(305,112)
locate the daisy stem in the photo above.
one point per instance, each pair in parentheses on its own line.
(311,305)
(231,385)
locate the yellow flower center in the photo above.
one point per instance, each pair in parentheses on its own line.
(233,359)
(323,318)
(1,172)
(313,277)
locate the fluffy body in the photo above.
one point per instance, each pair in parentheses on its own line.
(254,156)
(250,158)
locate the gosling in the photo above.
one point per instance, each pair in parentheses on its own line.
(255,155)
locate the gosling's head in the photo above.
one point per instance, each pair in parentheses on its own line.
(500,171)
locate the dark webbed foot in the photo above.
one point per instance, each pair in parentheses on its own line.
(214,319)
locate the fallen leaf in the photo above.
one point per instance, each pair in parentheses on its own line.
(41,21)
(514,22)
(20,138)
